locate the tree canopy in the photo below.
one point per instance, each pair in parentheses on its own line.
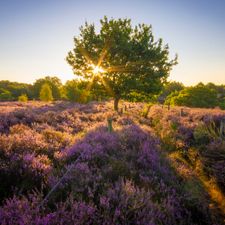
(12,90)
(46,93)
(169,88)
(76,92)
(54,83)
(201,96)
(126,58)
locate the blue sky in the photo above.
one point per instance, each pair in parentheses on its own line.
(35,35)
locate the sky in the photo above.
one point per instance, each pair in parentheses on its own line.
(36,35)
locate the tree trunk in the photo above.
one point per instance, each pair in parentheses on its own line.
(116,103)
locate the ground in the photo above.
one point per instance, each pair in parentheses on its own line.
(161,167)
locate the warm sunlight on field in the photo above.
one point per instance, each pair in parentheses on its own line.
(158,161)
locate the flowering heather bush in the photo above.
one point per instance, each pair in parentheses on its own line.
(25,210)
(119,177)
(39,130)
(22,138)
(182,128)
(23,172)
(61,115)
(123,179)
(198,131)
(57,140)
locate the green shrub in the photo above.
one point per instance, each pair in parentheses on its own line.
(23,98)
(46,93)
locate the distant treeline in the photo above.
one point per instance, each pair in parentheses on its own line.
(200,95)
(176,94)
(172,93)
(51,88)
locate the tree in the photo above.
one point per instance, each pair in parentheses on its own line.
(54,83)
(96,88)
(198,96)
(46,93)
(125,58)
(71,90)
(5,95)
(169,88)
(16,89)
(75,91)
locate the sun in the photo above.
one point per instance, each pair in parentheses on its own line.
(97,70)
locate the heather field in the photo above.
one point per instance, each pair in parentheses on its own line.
(70,163)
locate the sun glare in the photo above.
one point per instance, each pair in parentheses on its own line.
(97,70)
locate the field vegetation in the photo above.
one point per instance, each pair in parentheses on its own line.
(71,163)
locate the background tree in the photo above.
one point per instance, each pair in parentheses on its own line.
(46,93)
(125,58)
(5,95)
(71,90)
(96,88)
(16,89)
(76,91)
(198,96)
(220,93)
(169,88)
(54,83)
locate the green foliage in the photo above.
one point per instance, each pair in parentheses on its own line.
(173,93)
(71,91)
(219,89)
(98,90)
(46,93)
(132,59)
(197,96)
(5,95)
(169,89)
(222,103)
(85,96)
(75,92)
(15,89)
(53,82)
(135,96)
(23,98)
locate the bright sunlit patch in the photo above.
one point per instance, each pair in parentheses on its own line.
(98,69)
